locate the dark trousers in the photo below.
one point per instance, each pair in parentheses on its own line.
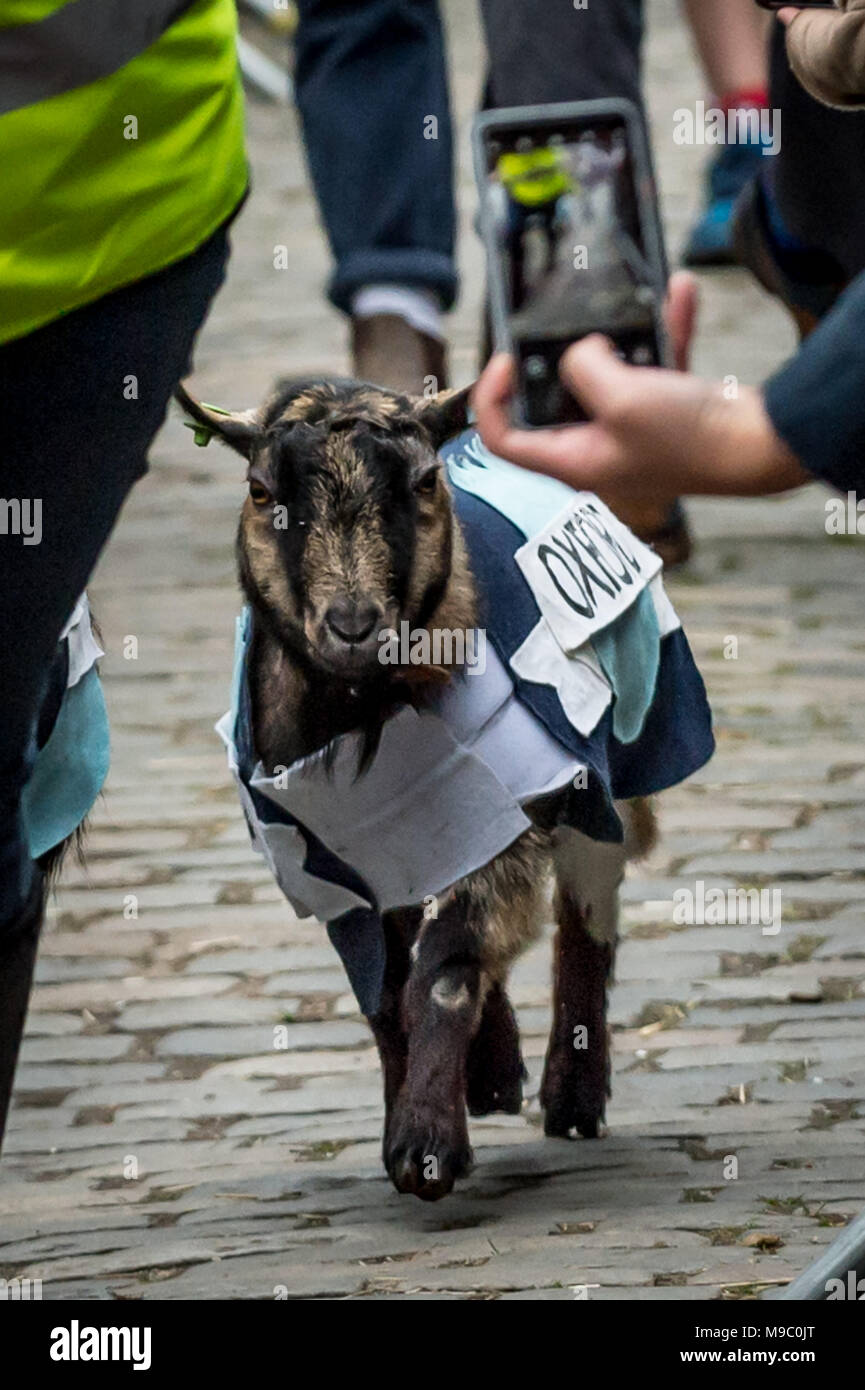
(369,76)
(546,50)
(819,173)
(83,398)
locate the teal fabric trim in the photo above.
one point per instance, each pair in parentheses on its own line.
(530,501)
(629,651)
(242,627)
(70,768)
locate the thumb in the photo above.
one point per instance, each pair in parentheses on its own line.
(680,312)
(594,374)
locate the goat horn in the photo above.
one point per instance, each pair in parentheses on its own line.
(237,428)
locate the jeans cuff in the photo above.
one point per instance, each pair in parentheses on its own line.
(413,266)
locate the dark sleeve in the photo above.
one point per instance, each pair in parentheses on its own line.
(817,401)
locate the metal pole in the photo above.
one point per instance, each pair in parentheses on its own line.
(844,1255)
(267,78)
(262,74)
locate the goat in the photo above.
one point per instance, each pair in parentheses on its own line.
(349,530)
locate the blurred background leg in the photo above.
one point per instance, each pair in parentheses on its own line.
(372,93)
(731,39)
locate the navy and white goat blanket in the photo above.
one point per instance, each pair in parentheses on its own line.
(588,688)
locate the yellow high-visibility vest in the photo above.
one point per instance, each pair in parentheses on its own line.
(121,145)
(535,177)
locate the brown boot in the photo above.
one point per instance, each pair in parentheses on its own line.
(387,351)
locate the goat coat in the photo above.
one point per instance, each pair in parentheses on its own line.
(72,740)
(587,689)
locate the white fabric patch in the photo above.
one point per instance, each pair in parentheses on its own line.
(578,680)
(284,849)
(84,650)
(668,619)
(577,677)
(442,797)
(585,569)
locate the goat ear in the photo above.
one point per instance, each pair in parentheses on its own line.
(239,429)
(444,414)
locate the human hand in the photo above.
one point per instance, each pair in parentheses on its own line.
(654,434)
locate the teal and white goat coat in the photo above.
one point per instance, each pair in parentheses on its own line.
(589,690)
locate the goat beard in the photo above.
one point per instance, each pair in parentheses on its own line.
(407,685)
(379,702)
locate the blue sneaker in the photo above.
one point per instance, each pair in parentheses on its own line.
(711,239)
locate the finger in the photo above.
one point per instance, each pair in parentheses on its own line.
(680,315)
(495,386)
(572,453)
(537,449)
(594,374)
(583,456)
(788,14)
(491,400)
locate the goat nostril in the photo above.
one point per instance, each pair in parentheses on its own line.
(351,622)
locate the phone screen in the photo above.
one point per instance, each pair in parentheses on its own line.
(566,235)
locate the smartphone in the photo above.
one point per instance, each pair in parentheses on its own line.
(797,4)
(574,244)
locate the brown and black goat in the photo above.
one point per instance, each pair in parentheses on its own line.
(373,541)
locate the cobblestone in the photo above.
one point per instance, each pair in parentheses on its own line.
(151,1035)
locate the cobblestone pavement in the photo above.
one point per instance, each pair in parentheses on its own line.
(161,1146)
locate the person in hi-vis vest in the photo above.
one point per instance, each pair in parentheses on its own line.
(121,129)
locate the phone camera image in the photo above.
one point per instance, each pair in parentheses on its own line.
(563,213)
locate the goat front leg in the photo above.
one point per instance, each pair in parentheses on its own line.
(387,1024)
(576,1080)
(427,1143)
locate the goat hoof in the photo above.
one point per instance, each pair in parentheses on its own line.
(427,1173)
(560,1122)
(495,1071)
(490,1095)
(426,1166)
(573,1097)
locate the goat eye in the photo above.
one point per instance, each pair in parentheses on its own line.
(426,484)
(259,494)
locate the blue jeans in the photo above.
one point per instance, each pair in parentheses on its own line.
(373,98)
(369,76)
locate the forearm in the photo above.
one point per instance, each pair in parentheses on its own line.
(731,39)
(817,401)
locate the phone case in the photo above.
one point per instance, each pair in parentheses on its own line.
(571,113)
